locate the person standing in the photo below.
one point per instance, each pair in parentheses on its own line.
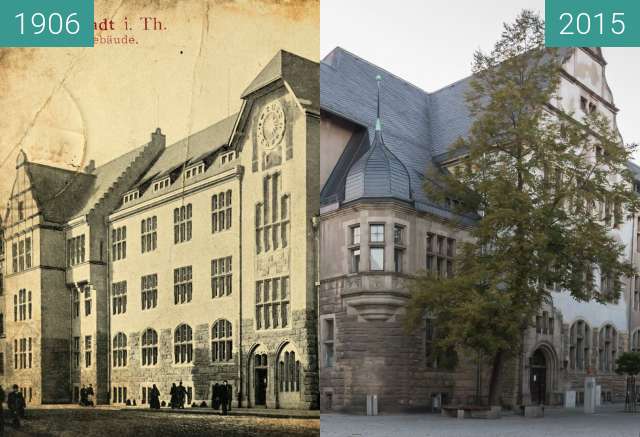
(1,411)
(182,394)
(90,395)
(83,396)
(16,404)
(224,396)
(174,395)
(154,398)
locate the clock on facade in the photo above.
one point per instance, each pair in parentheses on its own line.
(271,125)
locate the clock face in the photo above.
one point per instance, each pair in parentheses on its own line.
(271,125)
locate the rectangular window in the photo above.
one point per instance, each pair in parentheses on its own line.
(87,301)
(398,234)
(14,253)
(119,297)
(355,260)
(221,277)
(328,338)
(376,234)
(75,307)
(182,224)
(119,243)
(272,303)
(75,250)
(272,216)
(149,234)
(20,210)
(27,255)
(22,307)
(636,294)
(149,294)
(76,352)
(182,285)
(21,255)
(441,252)
(221,211)
(355,235)
(87,351)
(376,258)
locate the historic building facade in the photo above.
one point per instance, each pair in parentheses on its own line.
(378,227)
(190,262)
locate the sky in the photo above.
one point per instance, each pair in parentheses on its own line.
(431,43)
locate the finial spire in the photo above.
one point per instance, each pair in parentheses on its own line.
(378,123)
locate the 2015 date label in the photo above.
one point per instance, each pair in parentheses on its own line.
(592,23)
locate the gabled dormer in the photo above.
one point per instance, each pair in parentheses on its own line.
(130,196)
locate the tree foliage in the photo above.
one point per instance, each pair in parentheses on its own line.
(628,363)
(546,186)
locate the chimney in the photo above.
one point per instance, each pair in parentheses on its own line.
(158,138)
(89,168)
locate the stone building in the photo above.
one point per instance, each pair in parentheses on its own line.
(378,227)
(190,262)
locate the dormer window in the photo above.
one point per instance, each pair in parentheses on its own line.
(194,170)
(130,197)
(227,157)
(161,184)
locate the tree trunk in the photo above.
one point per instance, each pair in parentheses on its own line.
(495,384)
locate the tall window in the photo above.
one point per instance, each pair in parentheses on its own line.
(75,307)
(221,277)
(440,253)
(149,234)
(119,297)
(76,352)
(120,350)
(435,357)
(607,348)
(272,216)
(328,338)
(22,308)
(14,255)
(87,351)
(149,294)
(119,243)
(636,294)
(221,211)
(182,285)
(289,369)
(149,347)
(221,341)
(376,247)
(544,323)
(272,303)
(398,250)
(579,345)
(87,301)
(182,224)
(607,284)
(20,210)
(22,353)
(75,250)
(635,341)
(354,249)
(183,344)
(27,257)
(21,253)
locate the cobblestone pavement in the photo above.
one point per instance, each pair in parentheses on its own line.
(94,422)
(607,422)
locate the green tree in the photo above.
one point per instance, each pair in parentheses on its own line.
(546,187)
(628,363)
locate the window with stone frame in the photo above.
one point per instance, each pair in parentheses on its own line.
(87,301)
(607,286)
(272,215)
(435,357)
(544,323)
(579,345)
(75,250)
(75,300)
(221,277)
(441,252)
(182,285)
(149,234)
(183,344)
(636,293)
(182,226)
(119,243)
(119,395)
(14,255)
(607,348)
(635,341)
(22,353)
(149,347)
(149,291)
(87,350)
(119,350)
(272,303)
(75,352)
(221,211)
(289,372)
(328,341)
(22,307)
(221,341)
(399,248)
(376,247)
(2,334)
(119,297)
(354,249)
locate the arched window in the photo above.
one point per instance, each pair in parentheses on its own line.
(289,370)
(607,348)
(635,341)
(119,350)
(221,342)
(149,347)
(183,344)
(579,345)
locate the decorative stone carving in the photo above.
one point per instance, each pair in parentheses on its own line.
(373,297)
(271,264)
(271,126)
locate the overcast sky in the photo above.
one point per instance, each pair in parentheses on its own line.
(431,43)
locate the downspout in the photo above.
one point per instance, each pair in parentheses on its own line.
(631,285)
(240,361)
(107,290)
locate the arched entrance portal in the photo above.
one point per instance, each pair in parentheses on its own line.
(538,377)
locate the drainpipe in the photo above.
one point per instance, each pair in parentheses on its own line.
(240,360)
(107,290)
(631,285)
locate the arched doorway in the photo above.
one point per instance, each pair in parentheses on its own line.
(538,377)
(261,373)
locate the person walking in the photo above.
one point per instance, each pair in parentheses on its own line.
(154,398)
(16,404)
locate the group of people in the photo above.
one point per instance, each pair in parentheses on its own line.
(16,405)
(86,396)
(221,396)
(178,395)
